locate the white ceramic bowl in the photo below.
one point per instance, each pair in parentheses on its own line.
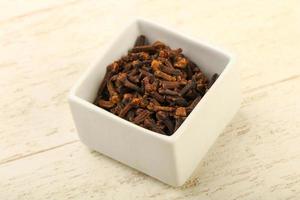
(171,159)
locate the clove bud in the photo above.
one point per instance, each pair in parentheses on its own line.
(153,86)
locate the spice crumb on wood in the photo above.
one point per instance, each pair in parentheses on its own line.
(153,86)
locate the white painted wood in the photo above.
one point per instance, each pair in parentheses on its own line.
(44,48)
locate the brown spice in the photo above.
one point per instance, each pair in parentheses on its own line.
(164,76)
(181,112)
(105,104)
(153,86)
(140,41)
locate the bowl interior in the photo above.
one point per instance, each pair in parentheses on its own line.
(209,59)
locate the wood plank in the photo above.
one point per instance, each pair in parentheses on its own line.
(46,45)
(257,157)
(16,10)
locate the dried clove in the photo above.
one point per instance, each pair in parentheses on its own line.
(164,76)
(164,117)
(141,116)
(168,92)
(181,112)
(145,48)
(140,41)
(213,79)
(153,86)
(150,124)
(105,104)
(172,84)
(123,79)
(130,105)
(187,87)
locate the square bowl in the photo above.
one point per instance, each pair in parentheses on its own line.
(171,159)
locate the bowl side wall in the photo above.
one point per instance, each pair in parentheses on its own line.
(127,144)
(206,122)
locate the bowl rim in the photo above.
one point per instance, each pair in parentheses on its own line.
(72,97)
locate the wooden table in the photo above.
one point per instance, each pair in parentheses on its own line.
(46,45)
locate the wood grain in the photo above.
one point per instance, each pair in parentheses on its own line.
(45,47)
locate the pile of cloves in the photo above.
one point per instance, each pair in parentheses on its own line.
(153,86)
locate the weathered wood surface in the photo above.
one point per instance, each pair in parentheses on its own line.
(46,45)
